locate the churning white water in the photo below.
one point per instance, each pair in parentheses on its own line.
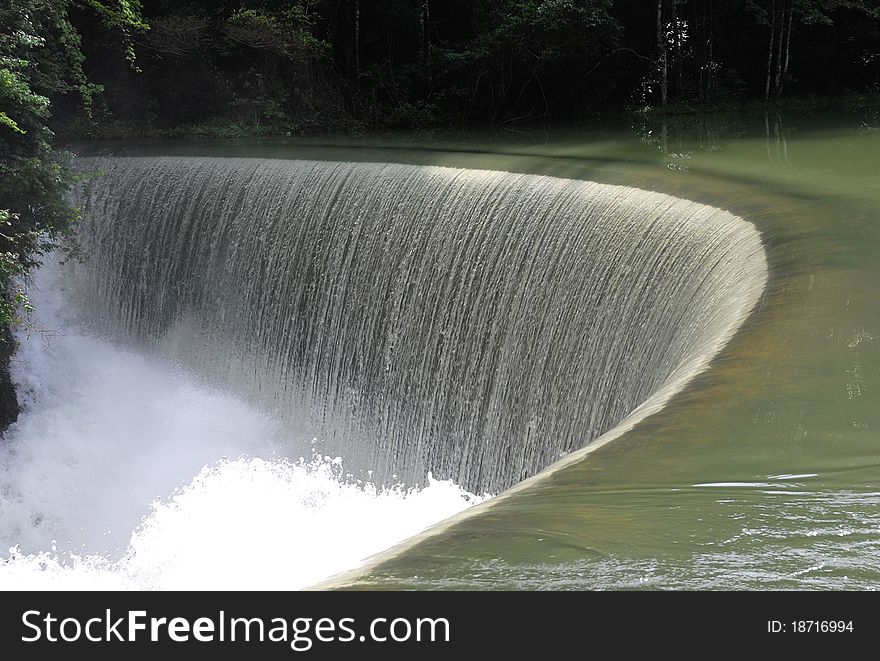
(127,472)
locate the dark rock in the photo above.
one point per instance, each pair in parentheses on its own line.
(8,400)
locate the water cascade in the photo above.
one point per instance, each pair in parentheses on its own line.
(474,325)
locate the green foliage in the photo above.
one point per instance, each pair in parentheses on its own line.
(546,30)
(15,303)
(6,120)
(265,65)
(40,58)
(287,33)
(279,46)
(123,16)
(521,45)
(237,68)
(415,115)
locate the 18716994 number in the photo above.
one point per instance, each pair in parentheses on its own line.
(821,626)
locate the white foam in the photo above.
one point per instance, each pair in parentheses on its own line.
(125,472)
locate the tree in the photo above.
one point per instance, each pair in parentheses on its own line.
(662,51)
(785,17)
(424,34)
(520,48)
(40,59)
(285,49)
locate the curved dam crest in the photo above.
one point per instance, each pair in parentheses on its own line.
(475,325)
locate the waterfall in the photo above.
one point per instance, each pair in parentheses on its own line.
(475,325)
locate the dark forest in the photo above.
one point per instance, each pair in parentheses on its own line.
(264,66)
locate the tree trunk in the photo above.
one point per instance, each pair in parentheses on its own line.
(707,65)
(424,34)
(661,45)
(679,73)
(770,49)
(357,41)
(787,49)
(704,52)
(778,81)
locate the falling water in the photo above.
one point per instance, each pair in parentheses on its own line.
(126,472)
(475,325)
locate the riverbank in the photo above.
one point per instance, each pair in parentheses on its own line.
(677,115)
